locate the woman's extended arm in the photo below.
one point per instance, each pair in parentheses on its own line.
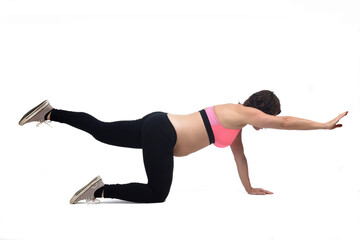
(259,119)
(294,123)
(242,167)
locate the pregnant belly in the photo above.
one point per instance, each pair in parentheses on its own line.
(191,133)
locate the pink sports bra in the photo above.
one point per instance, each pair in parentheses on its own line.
(223,136)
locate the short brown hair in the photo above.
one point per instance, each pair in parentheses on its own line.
(265,101)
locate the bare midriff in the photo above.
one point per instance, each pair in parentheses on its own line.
(191,133)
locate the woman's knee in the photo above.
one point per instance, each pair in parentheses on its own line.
(160,195)
(97,131)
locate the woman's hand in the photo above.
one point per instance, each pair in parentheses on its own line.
(259,191)
(333,123)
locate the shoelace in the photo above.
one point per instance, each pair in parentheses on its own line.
(45,121)
(92,200)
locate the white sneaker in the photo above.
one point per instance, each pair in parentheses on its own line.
(87,192)
(37,113)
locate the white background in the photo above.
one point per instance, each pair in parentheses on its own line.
(120,60)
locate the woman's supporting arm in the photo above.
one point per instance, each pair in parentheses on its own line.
(242,167)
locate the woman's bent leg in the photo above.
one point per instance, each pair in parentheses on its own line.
(120,133)
(158,141)
(133,192)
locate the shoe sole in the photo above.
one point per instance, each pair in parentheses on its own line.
(30,114)
(75,198)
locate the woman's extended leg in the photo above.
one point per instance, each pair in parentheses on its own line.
(120,133)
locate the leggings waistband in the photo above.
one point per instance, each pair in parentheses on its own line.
(207,126)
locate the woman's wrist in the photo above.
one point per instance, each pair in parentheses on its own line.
(248,189)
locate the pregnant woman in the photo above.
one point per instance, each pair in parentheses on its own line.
(161,136)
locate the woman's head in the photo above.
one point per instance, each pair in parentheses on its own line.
(265,101)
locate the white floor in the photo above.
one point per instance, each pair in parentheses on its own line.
(120,61)
(192,214)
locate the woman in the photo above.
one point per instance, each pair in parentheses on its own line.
(162,136)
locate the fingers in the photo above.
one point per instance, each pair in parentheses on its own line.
(268,192)
(337,119)
(340,116)
(343,114)
(260,191)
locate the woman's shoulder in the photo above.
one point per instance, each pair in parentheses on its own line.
(230,115)
(229,107)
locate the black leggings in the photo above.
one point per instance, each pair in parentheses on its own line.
(154,134)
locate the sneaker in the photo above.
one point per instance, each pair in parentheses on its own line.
(87,192)
(37,114)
